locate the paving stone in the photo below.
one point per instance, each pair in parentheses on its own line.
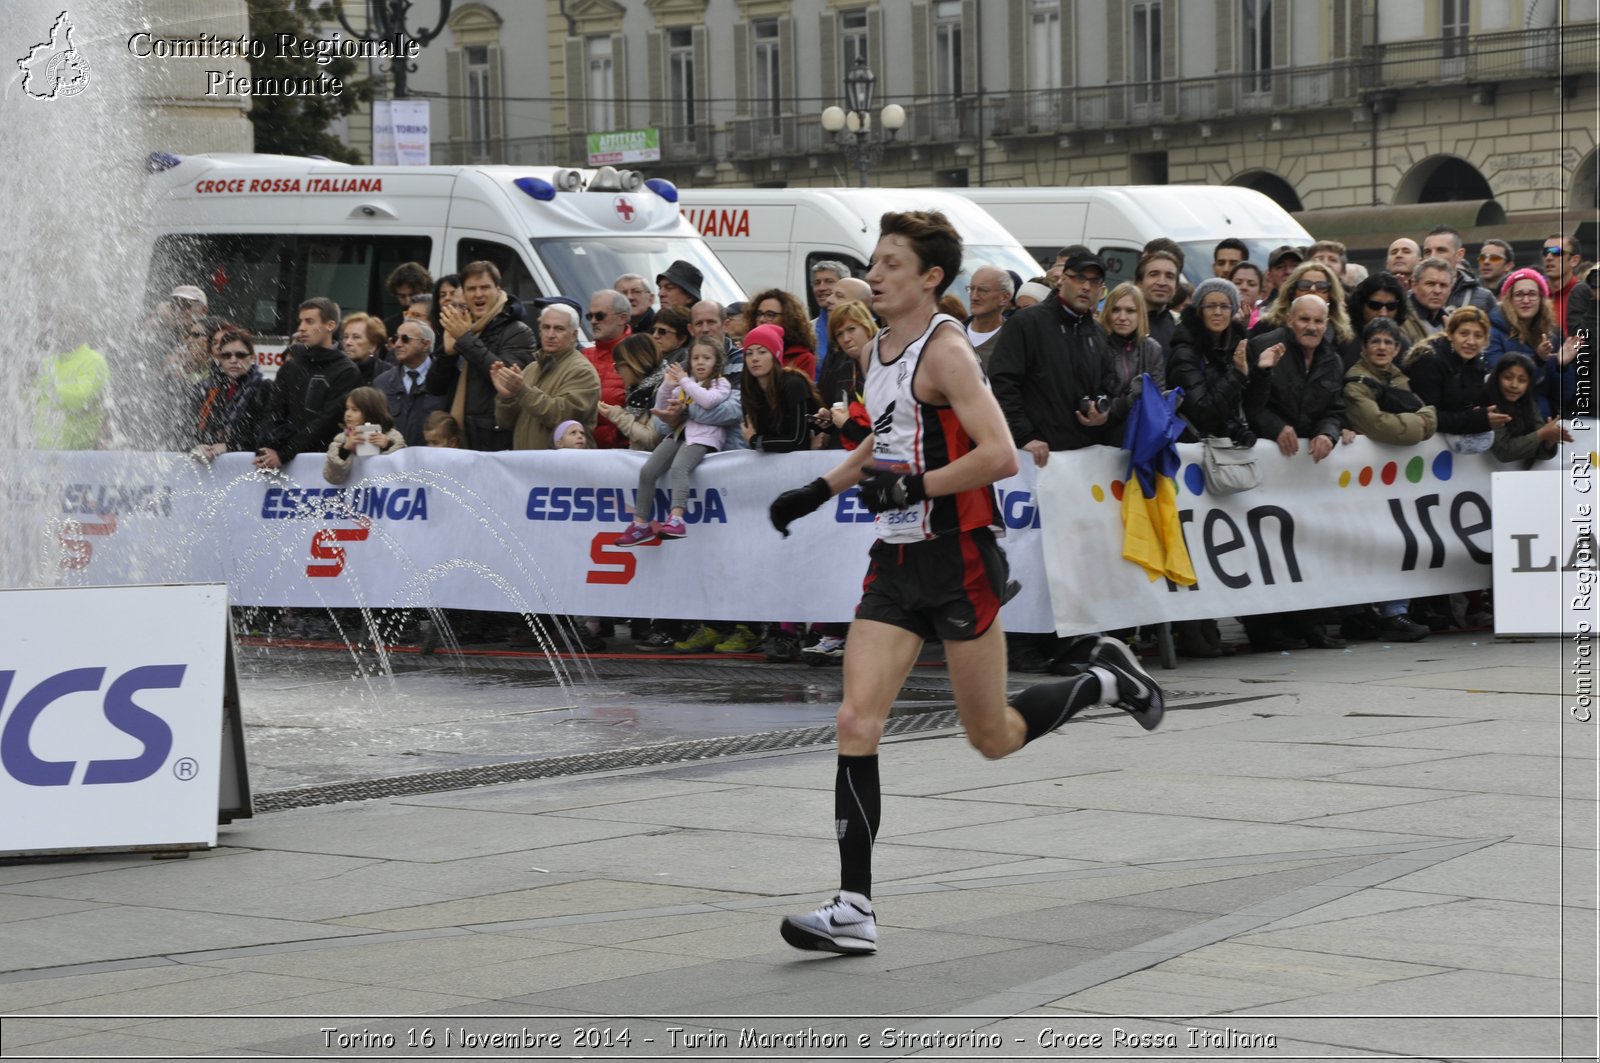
(1511,871)
(16,1032)
(1505,773)
(1131,837)
(121,932)
(556,795)
(1484,935)
(59,989)
(197,996)
(374,963)
(1366,902)
(411,832)
(18,906)
(579,898)
(1533,820)
(514,979)
(1211,796)
(1527,738)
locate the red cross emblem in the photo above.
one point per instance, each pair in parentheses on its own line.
(624,209)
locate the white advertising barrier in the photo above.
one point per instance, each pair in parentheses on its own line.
(110,716)
(1544,553)
(1370,523)
(516,531)
(535,531)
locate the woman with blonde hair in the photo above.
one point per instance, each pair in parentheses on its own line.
(1309,278)
(1134,353)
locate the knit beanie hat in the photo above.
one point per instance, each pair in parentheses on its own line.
(768,336)
(561,430)
(1526,273)
(1215,284)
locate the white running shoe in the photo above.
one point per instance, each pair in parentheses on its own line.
(828,650)
(844,925)
(1136,692)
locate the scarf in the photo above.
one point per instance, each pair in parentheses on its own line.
(458,404)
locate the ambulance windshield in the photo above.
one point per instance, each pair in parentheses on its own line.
(582,265)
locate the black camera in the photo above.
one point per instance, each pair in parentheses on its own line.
(1089,405)
(1239,431)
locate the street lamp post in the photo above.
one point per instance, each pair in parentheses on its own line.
(859,148)
(387,19)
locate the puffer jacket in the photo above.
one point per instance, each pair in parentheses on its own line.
(1451,385)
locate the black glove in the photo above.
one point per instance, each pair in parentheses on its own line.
(792,505)
(882,490)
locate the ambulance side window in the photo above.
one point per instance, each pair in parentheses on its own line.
(1120,263)
(259,281)
(514,275)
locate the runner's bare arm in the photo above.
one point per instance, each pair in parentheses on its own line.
(847,473)
(950,376)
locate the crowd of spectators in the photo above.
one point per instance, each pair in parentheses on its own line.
(1303,351)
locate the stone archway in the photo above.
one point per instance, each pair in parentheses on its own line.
(1584,196)
(1272,186)
(1442,179)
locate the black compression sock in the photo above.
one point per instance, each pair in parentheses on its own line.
(856,806)
(1046,706)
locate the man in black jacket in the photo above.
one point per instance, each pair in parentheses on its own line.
(1051,357)
(1050,366)
(1296,392)
(308,394)
(490,330)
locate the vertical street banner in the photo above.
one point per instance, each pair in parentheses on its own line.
(383,152)
(411,129)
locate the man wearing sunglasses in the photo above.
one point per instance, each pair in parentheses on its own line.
(1495,263)
(1561,254)
(609,318)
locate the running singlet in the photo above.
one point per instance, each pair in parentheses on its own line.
(910,436)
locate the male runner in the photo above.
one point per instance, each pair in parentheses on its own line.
(939,444)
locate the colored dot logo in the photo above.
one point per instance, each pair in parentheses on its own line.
(1415,469)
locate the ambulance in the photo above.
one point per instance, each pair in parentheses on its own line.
(1117,221)
(771,237)
(260,234)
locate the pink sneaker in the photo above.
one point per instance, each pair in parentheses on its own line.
(636,535)
(673,529)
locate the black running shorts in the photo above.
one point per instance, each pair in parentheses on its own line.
(948,588)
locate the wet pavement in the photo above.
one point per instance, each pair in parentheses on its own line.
(329,713)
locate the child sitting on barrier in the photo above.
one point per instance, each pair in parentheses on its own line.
(701,387)
(368,430)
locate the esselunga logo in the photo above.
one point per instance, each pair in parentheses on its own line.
(54,67)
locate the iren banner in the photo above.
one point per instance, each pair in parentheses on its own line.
(536,531)
(1369,523)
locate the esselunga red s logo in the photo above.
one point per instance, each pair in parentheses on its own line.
(325,547)
(73,535)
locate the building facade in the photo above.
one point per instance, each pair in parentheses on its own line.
(1331,107)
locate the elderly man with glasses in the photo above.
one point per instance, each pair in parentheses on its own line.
(402,383)
(988,299)
(609,317)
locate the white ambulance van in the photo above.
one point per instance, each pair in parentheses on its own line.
(1117,221)
(771,237)
(260,234)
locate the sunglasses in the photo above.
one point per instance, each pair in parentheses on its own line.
(229,356)
(663,330)
(1313,286)
(1486,257)
(407,339)
(1382,305)
(1557,249)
